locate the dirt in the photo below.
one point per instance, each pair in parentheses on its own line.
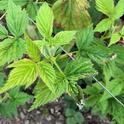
(49,114)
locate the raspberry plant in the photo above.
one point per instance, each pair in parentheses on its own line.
(51,51)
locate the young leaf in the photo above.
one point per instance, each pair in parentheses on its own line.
(103,25)
(114,38)
(72,14)
(17,19)
(85,38)
(23,74)
(105,6)
(119,9)
(11,50)
(47,74)
(32,49)
(63,37)
(44,20)
(3,32)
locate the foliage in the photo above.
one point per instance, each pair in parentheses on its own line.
(66,51)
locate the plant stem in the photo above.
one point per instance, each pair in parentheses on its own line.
(57,66)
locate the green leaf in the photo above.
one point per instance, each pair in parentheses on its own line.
(24,74)
(44,20)
(103,25)
(79,117)
(117,112)
(85,38)
(98,52)
(2,78)
(44,95)
(78,69)
(119,9)
(17,19)
(114,38)
(115,87)
(63,37)
(11,50)
(3,32)
(47,74)
(17,98)
(105,6)
(32,49)
(122,31)
(32,10)
(72,14)
(4,3)
(70,112)
(71,120)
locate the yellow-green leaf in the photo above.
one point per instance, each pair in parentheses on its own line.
(103,25)
(47,74)
(105,6)
(44,20)
(24,74)
(32,49)
(114,38)
(63,37)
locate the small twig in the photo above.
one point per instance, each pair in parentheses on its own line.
(2,16)
(108,91)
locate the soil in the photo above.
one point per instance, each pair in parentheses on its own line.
(52,113)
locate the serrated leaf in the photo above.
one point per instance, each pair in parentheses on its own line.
(44,95)
(17,19)
(32,10)
(119,9)
(98,52)
(78,69)
(44,20)
(114,38)
(72,14)
(63,37)
(103,25)
(24,74)
(84,38)
(105,6)
(3,32)
(4,3)
(115,87)
(11,50)
(32,49)
(47,74)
